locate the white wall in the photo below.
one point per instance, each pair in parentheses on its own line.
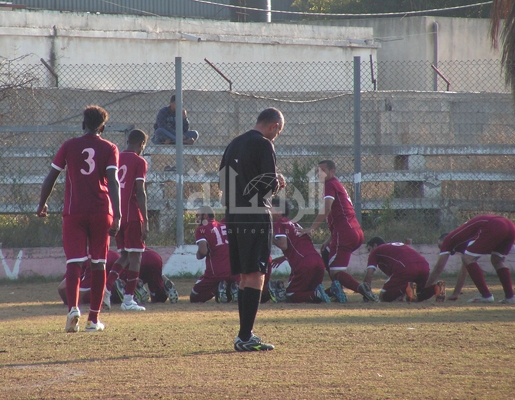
(81,38)
(412,39)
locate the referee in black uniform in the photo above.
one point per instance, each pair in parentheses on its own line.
(248,179)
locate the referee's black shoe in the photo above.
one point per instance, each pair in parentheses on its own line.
(253,344)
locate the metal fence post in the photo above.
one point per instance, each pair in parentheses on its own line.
(178,151)
(357,137)
(435,55)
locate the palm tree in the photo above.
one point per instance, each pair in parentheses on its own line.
(505,10)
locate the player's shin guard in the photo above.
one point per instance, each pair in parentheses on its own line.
(114,274)
(132,281)
(504,275)
(73,271)
(347,281)
(478,277)
(98,280)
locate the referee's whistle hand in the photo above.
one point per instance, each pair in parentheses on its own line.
(282,181)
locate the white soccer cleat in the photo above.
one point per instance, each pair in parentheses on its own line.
(507,301)
(92,327)
(72,320)
(221,293)
(280,291)
(321,294)
(481,299)
(171,292)
(132,306)
(234,291)
(141,293)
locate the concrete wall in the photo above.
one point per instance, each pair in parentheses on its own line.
(81,38)
(23,263)
(414,39)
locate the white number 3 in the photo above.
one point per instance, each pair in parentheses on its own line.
(89,161)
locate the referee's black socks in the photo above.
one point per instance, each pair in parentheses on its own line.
(249,309)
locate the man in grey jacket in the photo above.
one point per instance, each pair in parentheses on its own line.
(165,126)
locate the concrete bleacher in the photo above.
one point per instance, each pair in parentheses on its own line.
(412,147)
(415,173)
(419,180)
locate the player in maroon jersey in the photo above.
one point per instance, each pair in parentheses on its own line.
(91,210)
(482,235)
(346,234)
(151,274)
(217,280)
(406,269)
(130,240)
(307,267)
(85,280)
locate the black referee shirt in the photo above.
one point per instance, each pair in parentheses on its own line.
(248,171)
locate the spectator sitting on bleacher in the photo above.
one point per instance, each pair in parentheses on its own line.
(165,126)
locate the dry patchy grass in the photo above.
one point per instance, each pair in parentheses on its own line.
(184,351)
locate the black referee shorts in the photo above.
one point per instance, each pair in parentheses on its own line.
(250,242)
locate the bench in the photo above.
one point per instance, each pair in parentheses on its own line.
(324,150)
(27,139)
(424,185)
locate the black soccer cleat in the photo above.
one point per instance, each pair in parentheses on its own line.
(253,344)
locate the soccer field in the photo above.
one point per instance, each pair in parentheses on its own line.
(450,350)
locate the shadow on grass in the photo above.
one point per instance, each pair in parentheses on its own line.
(80,360)
(103,359)
(306,314)
(209,353)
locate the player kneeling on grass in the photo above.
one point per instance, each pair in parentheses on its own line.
(406,269)
(307,267)
(484,234)
(217,280)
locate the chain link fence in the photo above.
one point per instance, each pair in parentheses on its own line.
(429,159)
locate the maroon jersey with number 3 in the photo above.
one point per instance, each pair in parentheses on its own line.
(86,158)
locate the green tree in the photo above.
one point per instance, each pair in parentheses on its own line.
(392,6)
(505,10)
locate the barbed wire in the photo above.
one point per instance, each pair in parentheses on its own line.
(255,96)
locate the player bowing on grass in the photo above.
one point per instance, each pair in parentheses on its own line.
(406,269)
(217,280)
(484,234)
(307,267)
(130,240)
(91,210)
(346,234)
